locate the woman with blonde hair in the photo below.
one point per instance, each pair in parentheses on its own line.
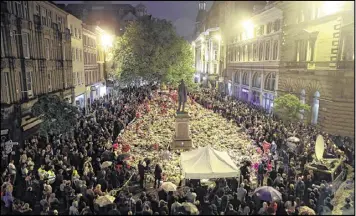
(97,190)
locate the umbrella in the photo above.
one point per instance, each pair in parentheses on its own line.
(305,210)
(123,156)
(191,208)
(267,193)
(106,164)
(293,139)
(168,186)
(104,200)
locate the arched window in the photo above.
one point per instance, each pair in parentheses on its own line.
(275,50)
(237,77)
(256,80)
(270,82)
(238,54)
(245,78)
(315,111)
(260,52)
(267,50)
(277,25)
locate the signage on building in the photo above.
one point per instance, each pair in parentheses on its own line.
(6,112)
(93,88)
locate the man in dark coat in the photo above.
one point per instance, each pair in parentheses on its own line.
(141,172)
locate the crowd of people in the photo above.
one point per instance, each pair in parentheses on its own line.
(67,174)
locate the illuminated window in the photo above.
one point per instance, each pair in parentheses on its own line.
(301,50)
(311,47)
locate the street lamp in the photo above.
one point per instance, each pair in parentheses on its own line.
(107,40)
(248,27)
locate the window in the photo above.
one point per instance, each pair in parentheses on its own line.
(2,44)
(301,50)
(18,9)
(249,51)
(255,56)
(311,46)
(25,9)
(38,10)
(256,80)
(71,29)
(275,50)
(73,54)
(14,41)
(49,17)
(269,28)
(262,30)
(245,78)
(29,83)
(78,78)
(277,25)
(76,54)
(47,49)
(267,50)
(75,32)
(6,96)
(215,68)
(260,52)
(49,76)
(237,78)
(79,34)
(44,20)
(25,45)
(270,82)
(80,55)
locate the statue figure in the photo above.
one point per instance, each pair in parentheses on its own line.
(182,95)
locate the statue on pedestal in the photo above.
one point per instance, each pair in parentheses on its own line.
(182,95)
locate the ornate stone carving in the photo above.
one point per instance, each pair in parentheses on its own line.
(17,63)
(28,63)
(313,86)
(299,85)
(4,63)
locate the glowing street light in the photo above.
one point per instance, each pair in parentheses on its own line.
(248,26)
(330,7)
(107,40)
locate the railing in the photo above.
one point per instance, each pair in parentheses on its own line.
(318,65)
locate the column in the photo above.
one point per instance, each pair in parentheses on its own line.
(261,89)
(249,86)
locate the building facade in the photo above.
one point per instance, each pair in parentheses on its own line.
(76,30)
(94,78)
(253,57)
(317,58)
(35,60)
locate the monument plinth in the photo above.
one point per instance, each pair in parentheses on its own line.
(181,139)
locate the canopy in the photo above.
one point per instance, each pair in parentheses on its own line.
(206,162)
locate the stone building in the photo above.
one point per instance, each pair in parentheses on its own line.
(35,60)
(76,30)
(93,72)
(253,57)
(317,61)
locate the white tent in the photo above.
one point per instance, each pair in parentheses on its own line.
(206,162)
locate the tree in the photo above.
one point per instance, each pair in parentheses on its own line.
(58,116)
(288,107)
(151,50)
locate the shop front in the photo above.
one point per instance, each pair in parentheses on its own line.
(80,100)
(244,93)
(267,101)
(256,98)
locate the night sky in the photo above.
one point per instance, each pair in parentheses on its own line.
(181,13)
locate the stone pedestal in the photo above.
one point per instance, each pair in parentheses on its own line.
(181,139)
